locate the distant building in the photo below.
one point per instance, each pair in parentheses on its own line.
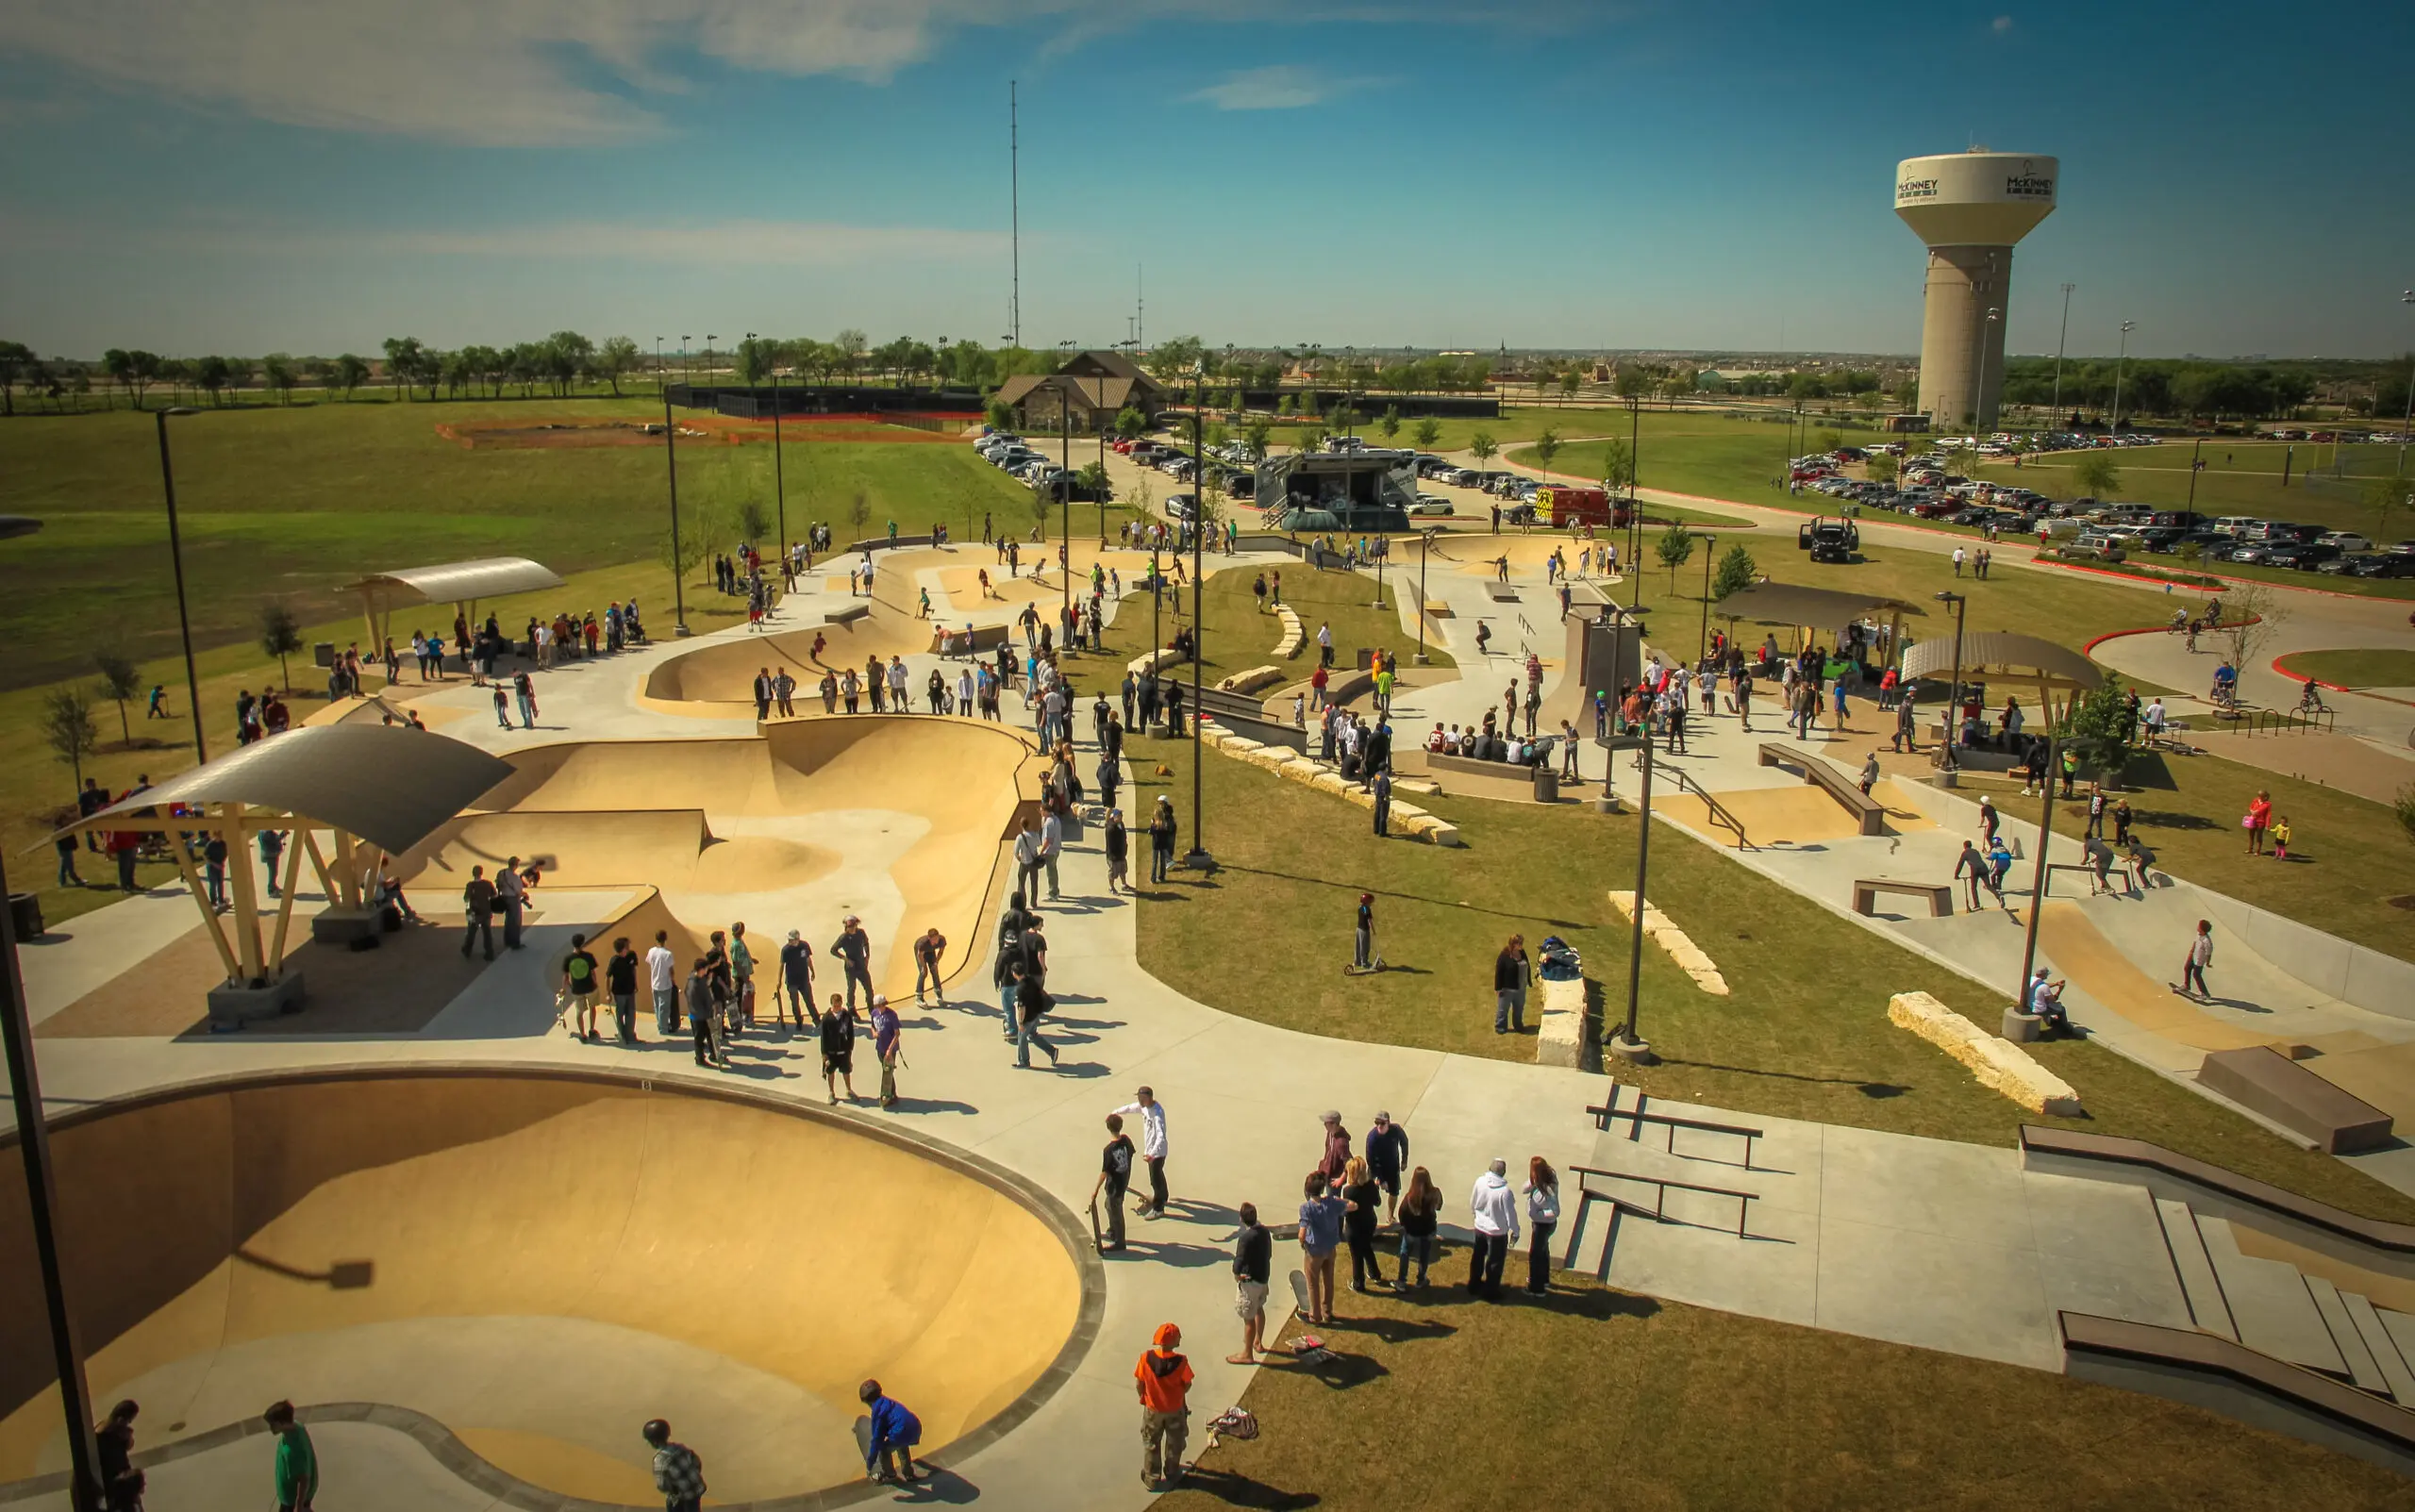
(1094,385)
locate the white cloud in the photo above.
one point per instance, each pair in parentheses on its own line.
(1277,87)
(2003,23)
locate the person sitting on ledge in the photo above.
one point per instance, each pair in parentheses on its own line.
(1438,742)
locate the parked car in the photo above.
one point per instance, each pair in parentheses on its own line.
(2346,540)
(2387,564)
(1431,503)
(2305,556)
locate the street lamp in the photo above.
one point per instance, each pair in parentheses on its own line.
(1424,549)
(2119,361)
(2408,420)
(779,476)
(176,555)
(1197,858)
(2061,342)
(1701,653)
(33,1148)
(1624,1044)
(1953,699)
(1064,487)
(2038,882)
(1984,416)
(687,369)
(678,562)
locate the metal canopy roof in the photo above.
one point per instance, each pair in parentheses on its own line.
(2002,654)
(1821,609)
(457,582)
(389,783)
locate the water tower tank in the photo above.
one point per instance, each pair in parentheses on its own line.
(1970,208)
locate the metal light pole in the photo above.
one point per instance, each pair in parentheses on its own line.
(1064,487)
(2038,882)
(2120,360)
(1424,549)
(1953,698)
(1987,341)
(1625,1045)
(1702,651)
(176,557)
(33,1148)
(2408,420)
(658,361)
(2060,341)
(2196,454)
(678,562)
(1197,858)
(779,472)
(687,368)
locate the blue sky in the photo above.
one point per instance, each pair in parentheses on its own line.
(296,175)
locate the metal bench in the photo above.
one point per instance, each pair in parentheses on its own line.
(1940,894)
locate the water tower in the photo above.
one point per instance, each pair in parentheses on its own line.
(1970,208)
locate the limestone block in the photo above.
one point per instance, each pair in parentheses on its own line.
(1250,681)
(1328,782)
(1563,1036)
(1443,833)
(1683,953)
(1996,1064)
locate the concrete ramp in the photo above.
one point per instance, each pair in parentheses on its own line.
(671,848)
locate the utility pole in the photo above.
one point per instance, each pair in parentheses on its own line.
(1014,210)
(2119,362)
(2060,341)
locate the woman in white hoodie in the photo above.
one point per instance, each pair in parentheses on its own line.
(1542,1216)
(1492,1215)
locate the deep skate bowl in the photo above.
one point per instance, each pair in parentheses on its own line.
(898,819)
(538,1262)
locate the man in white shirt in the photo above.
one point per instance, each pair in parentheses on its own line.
(662,976)
(1324,645)
(1153,1148)
(1492,1209)
(1052,845)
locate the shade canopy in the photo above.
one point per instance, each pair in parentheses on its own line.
(2002,653)
(459,582)
(1821,609)
(389,783)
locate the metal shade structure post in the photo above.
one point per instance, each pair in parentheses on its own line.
(176,557)
(1625,1044)
(33,1149)
(678,563)
(1424,549)
(1709,548)
(1953,695)
(1197,858)
(2038,882)
(1064,487)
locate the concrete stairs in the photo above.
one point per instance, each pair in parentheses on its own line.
(2270,1305)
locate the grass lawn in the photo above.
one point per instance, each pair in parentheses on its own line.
(2238,477)
(279,503)
(1598,1399)
(2353,669)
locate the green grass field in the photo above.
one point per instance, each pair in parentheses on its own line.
(279,503)
(2353,669)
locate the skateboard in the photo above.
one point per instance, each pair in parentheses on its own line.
(1098,1238)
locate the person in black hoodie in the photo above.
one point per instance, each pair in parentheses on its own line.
(1119,848)
(1253,1262)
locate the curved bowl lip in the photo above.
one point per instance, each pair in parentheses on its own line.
(510,1490)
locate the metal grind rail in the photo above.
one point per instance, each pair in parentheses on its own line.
(1604,1115)
(1664,1184)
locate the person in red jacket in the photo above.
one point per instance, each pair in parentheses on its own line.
(1163,1379)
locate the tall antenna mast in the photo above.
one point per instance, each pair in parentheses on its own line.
(1140,311)
(1014,202)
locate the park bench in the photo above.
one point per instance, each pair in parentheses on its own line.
(1868,812)
(1866,891)
(2264,1081)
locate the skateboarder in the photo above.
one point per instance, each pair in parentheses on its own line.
(2200,954)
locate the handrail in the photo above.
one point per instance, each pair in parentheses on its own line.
(1672,1122)
(1720,813)
(1660,1213)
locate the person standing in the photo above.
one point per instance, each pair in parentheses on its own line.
(1363,937)
(1162,830)
(1511,970)
(678,1473)
(296,1475)
(887,1044)
(1420,1208)
(113,1440)
(1027,861)
(513,890)
(2200,954)
(1117,841)
(578,987)
(701,1017)
(1361,1201)
(620,978)
(477,913)
(1383,792)
(1052,845)
(2259,821)
(839,1049)
(792,992)
(1153,1146)
(1163,1377)
(741,972)
(928,948)
(853,950)
(1972,870)
(1114,1180)
(1542,1216)
(1321,1215)
(1387,1149)
(887,1436)
(1493,1213)
(662,979)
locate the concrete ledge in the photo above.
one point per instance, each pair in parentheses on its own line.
(1252,680)
(1564,1033)
(1407,819)
(232,1003)
(1998,1066)
(1688,957)
(1294,636)
(2270,1084)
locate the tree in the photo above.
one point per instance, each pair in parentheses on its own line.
(1633,384)
(1094,481)
(1388,422)
(210,376)
(349,374)
(850,347)
(999,414)
(692,550)
(1309,437)
(2099,732)
(614,360)
(119,364)
(17,363)
(67,729)
(1176,358)
(1257,434)
(402,362)
(755,360)
(2096,474)
(1570,381)
(2251,614)
(859,503)
(280,637)
(120,681)
(1618,465)
(1882,469)
(1482,447)
(277,373)
(1428,431)
(2404,808)
(1546,448)
(1130,423)
(1674,548)
(753,522)
(1736,571)
(2382,495)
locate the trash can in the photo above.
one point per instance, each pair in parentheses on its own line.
(323,653)
(1546,783)
(24,916)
